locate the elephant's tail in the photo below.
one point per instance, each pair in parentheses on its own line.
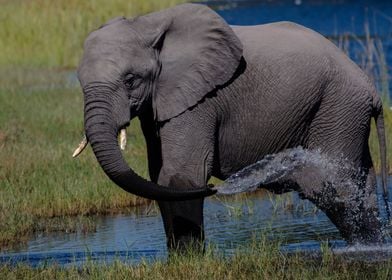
(379,118)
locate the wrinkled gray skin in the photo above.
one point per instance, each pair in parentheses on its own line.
(213,99)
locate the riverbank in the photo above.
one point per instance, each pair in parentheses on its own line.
(261,260)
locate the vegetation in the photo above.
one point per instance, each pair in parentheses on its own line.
(38,176)
(50,34)
(260,260)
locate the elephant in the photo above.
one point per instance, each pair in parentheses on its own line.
(213,98)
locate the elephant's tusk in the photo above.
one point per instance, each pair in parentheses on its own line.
(123,138)
(80,148)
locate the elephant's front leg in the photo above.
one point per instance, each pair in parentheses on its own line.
(187,160)
(183,220)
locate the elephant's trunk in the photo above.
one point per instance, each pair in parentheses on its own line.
(102,132)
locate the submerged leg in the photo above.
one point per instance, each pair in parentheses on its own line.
(183,220)
(349,202)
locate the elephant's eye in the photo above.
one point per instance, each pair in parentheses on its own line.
(131,81)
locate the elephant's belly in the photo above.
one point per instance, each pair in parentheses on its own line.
(253,123)
(242,145)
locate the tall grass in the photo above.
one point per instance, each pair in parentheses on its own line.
(260,260)
(46,33)
(38,177)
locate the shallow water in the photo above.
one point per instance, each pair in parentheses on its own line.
(230,223)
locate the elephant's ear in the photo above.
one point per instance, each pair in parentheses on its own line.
(198,51)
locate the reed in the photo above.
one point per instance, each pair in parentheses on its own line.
(369,53)
(259,260)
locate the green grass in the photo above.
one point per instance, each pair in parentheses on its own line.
(260,260)
(50,34)
(38,176)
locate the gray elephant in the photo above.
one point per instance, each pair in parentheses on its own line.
(214,98)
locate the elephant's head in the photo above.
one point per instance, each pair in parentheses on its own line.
(168,60)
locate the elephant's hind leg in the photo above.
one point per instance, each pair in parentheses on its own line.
(348,202)
(340,130)
(348,198)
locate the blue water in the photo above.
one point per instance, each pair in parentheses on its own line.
(229,223)
(330,18)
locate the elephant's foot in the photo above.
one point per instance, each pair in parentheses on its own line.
(186,244)
(186,236)
(183,221)
(357,226)
(350,204)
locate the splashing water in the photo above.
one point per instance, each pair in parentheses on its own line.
(284,166)
(330,182)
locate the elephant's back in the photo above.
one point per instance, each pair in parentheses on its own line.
(296,57)
(281,38)
(285,46)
